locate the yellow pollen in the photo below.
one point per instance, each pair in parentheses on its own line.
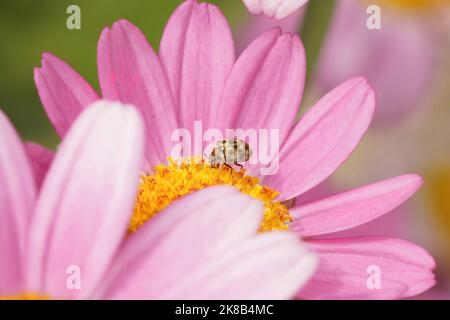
(26,296)
(175,180)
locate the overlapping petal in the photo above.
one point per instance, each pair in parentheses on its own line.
(86,201)
(17,197)
(40,160)
(219,248)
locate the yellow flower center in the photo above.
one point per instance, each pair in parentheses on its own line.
(26,296)
(171,182)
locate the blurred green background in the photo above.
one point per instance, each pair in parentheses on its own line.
(28,28)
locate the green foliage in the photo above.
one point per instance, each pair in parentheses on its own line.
(29,28)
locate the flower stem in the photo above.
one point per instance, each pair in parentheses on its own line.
(314,29)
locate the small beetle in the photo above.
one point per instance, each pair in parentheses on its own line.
(230,152)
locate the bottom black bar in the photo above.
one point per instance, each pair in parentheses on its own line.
(223,309)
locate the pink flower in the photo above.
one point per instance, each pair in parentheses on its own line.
(399,60)
(197,77)
(277,9)
(79,219)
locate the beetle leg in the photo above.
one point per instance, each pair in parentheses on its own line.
(231,168)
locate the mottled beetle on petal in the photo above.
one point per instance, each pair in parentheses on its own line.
(229,152)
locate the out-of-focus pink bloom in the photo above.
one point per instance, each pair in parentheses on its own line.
(197,77)
(399,60)
(80,215)
(277,9)
(256,25)
(80,219)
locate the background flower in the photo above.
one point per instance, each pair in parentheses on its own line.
(401,60)
(277,9)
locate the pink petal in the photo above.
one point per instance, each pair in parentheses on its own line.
(277,9)
(405,269)
(353,208)
(40,159)
(130,72)
(86,200)
(209,237)
(63,92)
(265,87)
(324,138)
(269,266)
(197,52)
(17,196)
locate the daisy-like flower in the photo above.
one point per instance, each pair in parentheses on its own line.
(401,60)
(197,77)
(68,240)
(277,9)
